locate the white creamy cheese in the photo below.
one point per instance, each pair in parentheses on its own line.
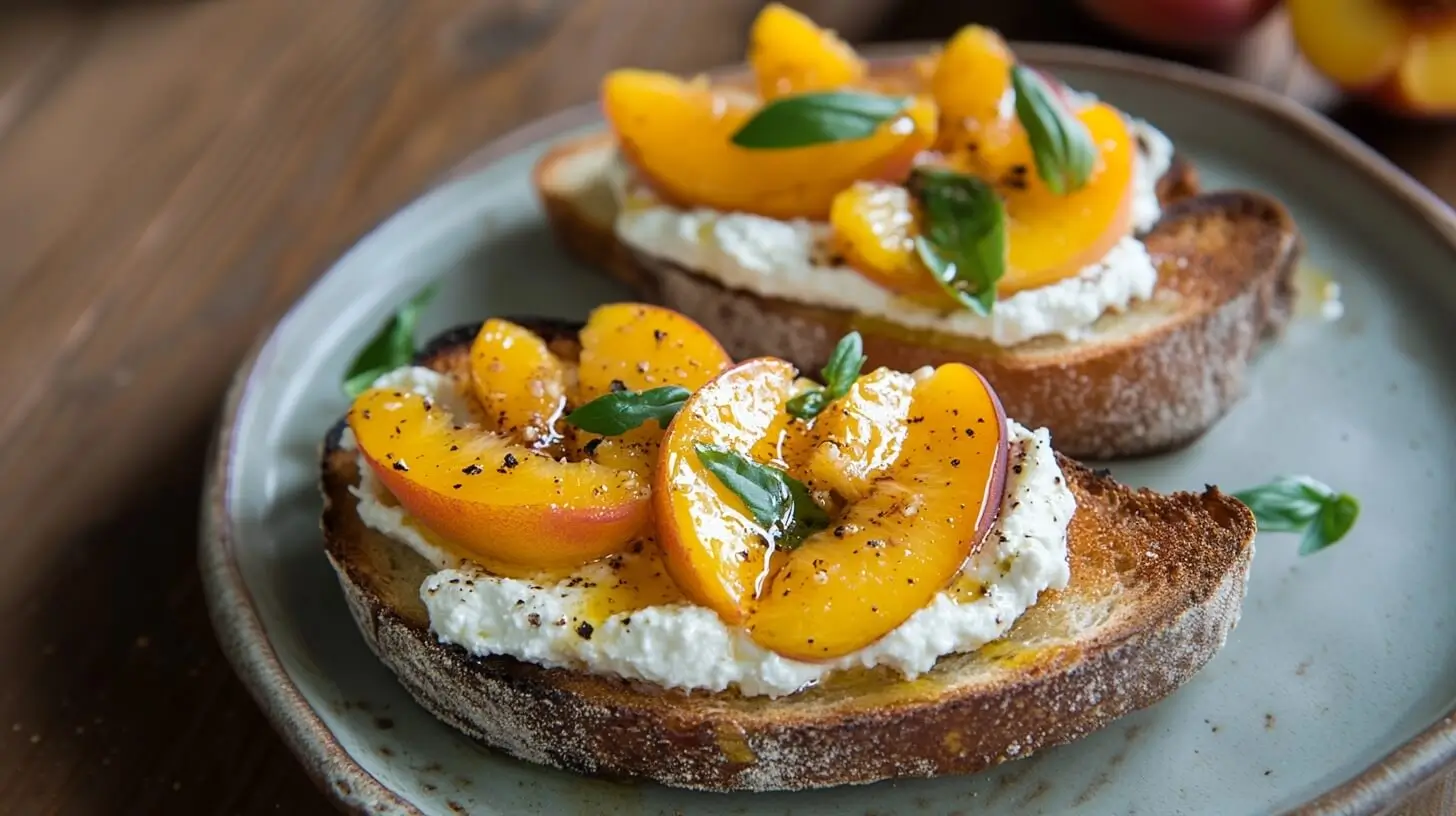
(1155,156)
(689,647)
(776,258)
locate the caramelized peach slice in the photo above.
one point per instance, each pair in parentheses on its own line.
(1048,236)
(874,228)
(677,134)
(519,383)
(790,54)
(890,552)
(860,435)
(972,88)
(506,502)
(713,548)
(636,346)
(1402,52)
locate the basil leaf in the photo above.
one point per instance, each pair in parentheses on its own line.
(816,118)
(843,368)
(620,411)
(779,504)
(808,404)
(1299,504)
(1336,518)
(963,239)
(1060,144)
(392,347)
(807,517)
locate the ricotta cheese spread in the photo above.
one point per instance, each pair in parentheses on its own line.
(689,647)
(777,258)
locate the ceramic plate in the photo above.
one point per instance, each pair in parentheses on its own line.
(1334,694)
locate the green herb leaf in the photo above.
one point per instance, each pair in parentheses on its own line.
(620,411)
(1295,504)
(392,347)
(1060,143)
(808,404)
(963,242)
(779,503)
(843,368)
(816,118)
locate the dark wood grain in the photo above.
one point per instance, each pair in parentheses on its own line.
(172,175)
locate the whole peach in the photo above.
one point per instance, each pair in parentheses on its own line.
(1200,25)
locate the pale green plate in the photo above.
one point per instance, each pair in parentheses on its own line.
(1341,658)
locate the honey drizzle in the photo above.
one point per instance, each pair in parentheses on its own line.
(1317,294)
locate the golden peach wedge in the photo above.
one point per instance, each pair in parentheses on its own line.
(790,54)
(677,134)
(1048,236)
(480,490)
(972,87)
(916,475)
(1051,236)
(635,346)
(887,554)
(874,226)
(519,383)
(859,437)
(709,540)
(1400,52)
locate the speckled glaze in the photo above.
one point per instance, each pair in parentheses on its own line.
(1334,694)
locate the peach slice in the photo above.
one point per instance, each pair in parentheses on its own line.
(508,503)
(919,470)
(635,346)
(790,54)
(712,547)
(520,384)
(1049,237)
(891,551)
(638,346)
(1402,53)
(972,88)
(874,225)
(677,134)
(860,435)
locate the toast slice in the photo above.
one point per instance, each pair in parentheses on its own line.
(1142,381)
(1156,585)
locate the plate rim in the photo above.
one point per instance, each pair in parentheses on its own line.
(240,630)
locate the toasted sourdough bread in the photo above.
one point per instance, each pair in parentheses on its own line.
(1156,585)
(1146,380)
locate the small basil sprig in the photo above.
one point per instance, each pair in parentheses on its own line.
(963,235)
(620,411)
(839,374)
(780,504)
(1060,144)
(1294,504)
(816,118)
(392,347)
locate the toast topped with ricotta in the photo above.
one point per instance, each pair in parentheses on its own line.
(611,549)
(958,207)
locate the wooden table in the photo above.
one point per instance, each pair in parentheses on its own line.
(172,175)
